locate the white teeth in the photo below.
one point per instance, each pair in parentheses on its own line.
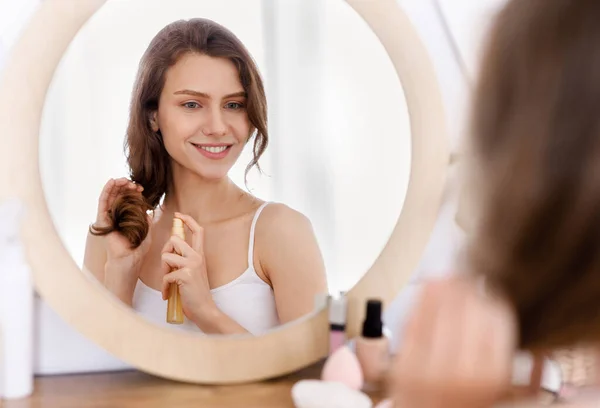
(214,149)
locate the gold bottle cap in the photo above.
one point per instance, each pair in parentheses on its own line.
(178,228)
(177,223)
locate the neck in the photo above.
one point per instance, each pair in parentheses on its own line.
(202,199)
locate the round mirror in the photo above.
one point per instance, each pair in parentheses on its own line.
(338,153)
(327,177)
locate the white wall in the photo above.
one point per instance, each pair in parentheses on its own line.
(61,349)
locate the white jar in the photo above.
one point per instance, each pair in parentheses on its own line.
(16,307)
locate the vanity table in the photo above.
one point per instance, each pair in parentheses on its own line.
(133,389)
(136,389)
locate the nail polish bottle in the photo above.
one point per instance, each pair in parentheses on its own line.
(372,347)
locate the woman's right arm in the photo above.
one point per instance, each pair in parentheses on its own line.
(94,258)
(113,271)
(112,275)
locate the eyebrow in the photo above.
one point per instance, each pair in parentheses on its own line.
(207,96)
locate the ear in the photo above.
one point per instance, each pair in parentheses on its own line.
(154,121)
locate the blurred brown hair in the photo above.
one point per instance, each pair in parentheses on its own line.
(149,162)
(536,140)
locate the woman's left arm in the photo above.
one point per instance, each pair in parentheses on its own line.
(290,258)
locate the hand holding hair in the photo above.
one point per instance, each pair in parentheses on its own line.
(123,221)
(111,191)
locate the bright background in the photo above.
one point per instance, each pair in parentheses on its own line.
(340,150)
(339,128)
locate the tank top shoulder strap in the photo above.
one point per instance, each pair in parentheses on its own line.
(252,229)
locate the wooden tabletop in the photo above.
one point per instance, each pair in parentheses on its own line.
(136,389)
(139,390)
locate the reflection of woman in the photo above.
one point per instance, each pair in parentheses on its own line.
(536,139)
(248,265)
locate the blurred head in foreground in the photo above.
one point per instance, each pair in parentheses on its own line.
(536,142)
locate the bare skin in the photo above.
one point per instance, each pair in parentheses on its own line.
(458,353)
(202,104)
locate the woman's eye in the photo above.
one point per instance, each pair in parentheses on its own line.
(234,105)
(191,105)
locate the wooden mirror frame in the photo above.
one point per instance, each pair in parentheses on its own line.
(86,306)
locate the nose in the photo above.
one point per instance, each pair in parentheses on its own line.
(215,125)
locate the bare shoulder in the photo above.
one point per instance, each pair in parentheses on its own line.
(288,251)
(278,220)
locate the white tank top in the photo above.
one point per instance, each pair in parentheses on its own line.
(247,299)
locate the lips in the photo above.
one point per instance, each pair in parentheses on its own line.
(213,151)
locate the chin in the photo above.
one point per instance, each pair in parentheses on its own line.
(212,174)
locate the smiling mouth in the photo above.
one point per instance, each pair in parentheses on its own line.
(213,152)
(213,149)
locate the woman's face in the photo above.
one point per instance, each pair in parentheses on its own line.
(202,115)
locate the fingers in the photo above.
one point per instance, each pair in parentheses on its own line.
(165,266)
(112,189)
(173,261)
(178,254)
(104,195)
(178,277)
(197,231)
(122,184)
(125,182)
(178,246)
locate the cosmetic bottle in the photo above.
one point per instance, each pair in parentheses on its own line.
(16,306)
(372,347)
(174,307)
(337,323)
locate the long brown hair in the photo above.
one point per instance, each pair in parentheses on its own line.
(147,157)
(536,140)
